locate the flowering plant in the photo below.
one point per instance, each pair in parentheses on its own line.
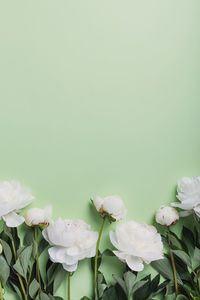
(174,256)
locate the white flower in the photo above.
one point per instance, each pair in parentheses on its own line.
(13,197)
(72,240)
(167,216)
(188,193)
(111,205)
(137,243)
(38,216)
(1,249)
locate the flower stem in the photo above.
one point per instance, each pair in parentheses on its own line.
(37,260)
(68,286)
(18,275)
(1,291)
(173,264)
(97,253)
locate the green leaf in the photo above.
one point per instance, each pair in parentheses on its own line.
(181,297)
(101,284)
(164,268)
(170,288)
(42,246)
(59,277)
(183,256)
(197,254)
(7,230)
(110,294)
(174,240)
(108,252)
(33,288)
(144,291)
(138,285)
(25,258)
(17,290)
(4,270)
(22,263)
(55,297)
(121,282)
(129,279)
(19,250)
(154,283)
(44,296)
(29,237)
(85,298)
(51,272)
(18,268)
(160,288)
(188,239)
(170,297)
(7,251)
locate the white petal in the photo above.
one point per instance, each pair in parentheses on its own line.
(186,213)
(113,239)
(122,256)
(187,204)
(70,268)
(114,206)
(48,213)
(98,202)
(134,263)
(13,220)
(58,254)
(45,235)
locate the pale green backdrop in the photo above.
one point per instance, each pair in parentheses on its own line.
(99,97)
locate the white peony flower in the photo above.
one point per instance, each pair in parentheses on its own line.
(1,249)
(13,197)
(111,205)
(72,240)
(188,193)
(137,243)
(167,216)
(38,216)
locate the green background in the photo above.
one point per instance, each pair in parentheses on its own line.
(99,97)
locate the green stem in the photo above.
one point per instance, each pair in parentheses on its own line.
(1,291)
(37,261)
(29,277)
(18,275)
(97,253)
(173,264)
(68,286)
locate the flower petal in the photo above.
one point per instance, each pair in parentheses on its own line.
(134,263)
(122,256)
(70,268)
(113,239)
(13,220)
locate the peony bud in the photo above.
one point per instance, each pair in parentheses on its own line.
(112,206)
(167,216)
(38,216)
(1,249)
